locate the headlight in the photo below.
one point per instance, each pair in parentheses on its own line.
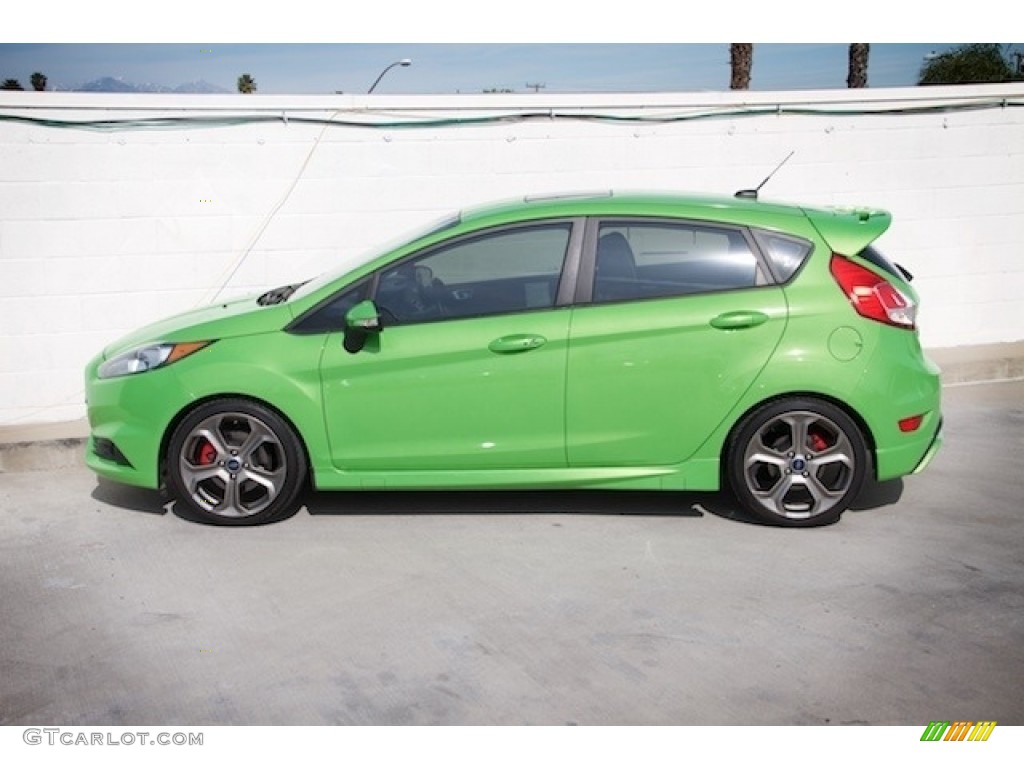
(147,358)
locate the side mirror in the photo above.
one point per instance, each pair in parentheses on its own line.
(360,321)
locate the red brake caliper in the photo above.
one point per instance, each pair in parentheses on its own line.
(205,453)
(818,443)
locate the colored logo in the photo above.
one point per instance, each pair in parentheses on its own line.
(961,730)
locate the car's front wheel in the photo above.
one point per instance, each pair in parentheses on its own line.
(235,462)
(797,462)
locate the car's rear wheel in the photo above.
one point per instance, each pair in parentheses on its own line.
(797,462)
(235,462)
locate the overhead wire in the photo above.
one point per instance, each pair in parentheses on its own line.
(222,121)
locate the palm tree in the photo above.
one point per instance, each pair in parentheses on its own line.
(857,73)
(246,84)
(11,85)
(38,80)
(741,59)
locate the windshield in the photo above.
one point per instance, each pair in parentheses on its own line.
(349,263)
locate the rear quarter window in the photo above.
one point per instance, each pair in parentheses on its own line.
(785,254)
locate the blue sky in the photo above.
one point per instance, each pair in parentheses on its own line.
(308,46)
(459,67)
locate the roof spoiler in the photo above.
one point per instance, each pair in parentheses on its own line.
(848,231)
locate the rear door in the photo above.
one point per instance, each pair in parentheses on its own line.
(674,322)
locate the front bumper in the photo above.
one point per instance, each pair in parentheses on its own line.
(128,417)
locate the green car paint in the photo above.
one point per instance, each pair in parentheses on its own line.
(626,356)
(569,390)
(439,397)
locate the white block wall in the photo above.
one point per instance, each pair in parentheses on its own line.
(102,231)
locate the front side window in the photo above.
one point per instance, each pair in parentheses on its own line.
(510,270)
(643,260)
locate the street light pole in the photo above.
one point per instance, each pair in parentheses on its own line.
(400,63)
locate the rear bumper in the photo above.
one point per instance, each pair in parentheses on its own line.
(933,448)
(901,383)
(902,456)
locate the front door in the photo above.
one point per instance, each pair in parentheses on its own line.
(469,369)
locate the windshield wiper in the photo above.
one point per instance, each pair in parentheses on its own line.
(278,295)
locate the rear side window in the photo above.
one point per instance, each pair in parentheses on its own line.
(645,260)
(785,254)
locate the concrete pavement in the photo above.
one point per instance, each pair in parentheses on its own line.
(546,608)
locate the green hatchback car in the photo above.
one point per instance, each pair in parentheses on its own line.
(610,342)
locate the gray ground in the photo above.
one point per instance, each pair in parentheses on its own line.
(525,608)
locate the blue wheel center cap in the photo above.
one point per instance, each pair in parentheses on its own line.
(798,464)
(234,465)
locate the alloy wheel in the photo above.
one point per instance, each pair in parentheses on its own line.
(233,465)
(799,465)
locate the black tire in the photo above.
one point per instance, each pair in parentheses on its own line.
(235,462)
(797,462)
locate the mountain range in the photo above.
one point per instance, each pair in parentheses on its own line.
(119,85)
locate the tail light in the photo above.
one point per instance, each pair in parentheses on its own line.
(873,296)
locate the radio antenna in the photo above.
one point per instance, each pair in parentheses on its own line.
(751,194)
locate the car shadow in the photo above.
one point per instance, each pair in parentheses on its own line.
(131,498)
(573,502)
(578,502)
(875,495)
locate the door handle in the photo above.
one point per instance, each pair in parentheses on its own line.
(743,318)
(520,342)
